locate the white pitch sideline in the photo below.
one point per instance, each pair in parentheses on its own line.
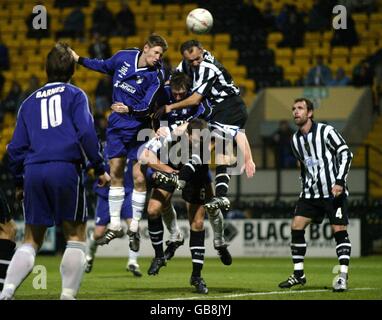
(266,293)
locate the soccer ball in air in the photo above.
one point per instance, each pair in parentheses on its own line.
(199,21)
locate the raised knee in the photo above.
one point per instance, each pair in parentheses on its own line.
(8,230)
(294,226)
(140,183)
(98,234)
(153,211)
(299,224)
(116,172)
(197,225)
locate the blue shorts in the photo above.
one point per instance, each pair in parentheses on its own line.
(53,192)
(122,143)
(102,216)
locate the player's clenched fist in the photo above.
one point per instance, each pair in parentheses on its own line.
(120,107)
(104,180)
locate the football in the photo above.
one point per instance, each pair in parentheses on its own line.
(199,21)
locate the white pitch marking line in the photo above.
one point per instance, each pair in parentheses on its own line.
(266,293)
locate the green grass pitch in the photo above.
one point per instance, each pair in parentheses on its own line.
(246,278)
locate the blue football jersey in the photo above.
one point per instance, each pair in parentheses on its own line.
(54,124)
(179,116)
(135,87)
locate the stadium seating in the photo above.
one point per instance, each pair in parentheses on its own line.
(374,139)
(173,26)
(312,39)
(27,55)
(251,54)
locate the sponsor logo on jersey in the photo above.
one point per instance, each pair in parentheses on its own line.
(309,162)
(125,87)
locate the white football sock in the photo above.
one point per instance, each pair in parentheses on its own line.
(92,247)
(299,266)
(217,223)
(116,197)
(171,222)
(138,201)
(20,266)
(72,269)
(344,269)
(133,257)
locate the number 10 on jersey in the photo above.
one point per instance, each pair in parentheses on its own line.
(51,107)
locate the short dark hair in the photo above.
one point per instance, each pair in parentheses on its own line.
(188,45)
(60,63)
(196,123)
(156,40)
(180,80)
(309,103)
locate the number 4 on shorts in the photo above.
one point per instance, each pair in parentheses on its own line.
(339,213)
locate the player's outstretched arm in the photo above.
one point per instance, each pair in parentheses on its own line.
(192,101)
(245,149)
(148,157)
(105,66)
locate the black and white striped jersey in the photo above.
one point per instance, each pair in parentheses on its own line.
(325,160)
(210,79)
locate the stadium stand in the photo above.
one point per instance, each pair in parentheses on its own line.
(248,49)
